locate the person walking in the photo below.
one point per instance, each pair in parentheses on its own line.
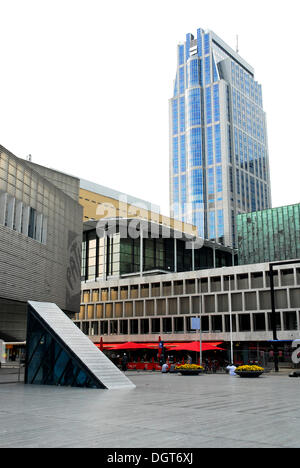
(124,362)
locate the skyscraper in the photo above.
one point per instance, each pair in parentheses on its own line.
(219,164)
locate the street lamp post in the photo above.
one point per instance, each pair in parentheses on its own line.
(273,318)
(200,330)
(230,319)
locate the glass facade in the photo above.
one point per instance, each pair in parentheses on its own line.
(119,255)
(219,141)
(269,235)
(48,362)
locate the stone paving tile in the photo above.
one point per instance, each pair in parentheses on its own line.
(163,411)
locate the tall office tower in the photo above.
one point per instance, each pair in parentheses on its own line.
(219,165)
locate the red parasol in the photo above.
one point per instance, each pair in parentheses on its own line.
(195,346)
(128,345)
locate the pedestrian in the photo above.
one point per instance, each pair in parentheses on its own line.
(231,369)
(165,368)
(124,362)
(214,366)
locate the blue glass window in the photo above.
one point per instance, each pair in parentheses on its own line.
(218,143)
(176,86)
(181,80)
(195,147)
(198,221)
(175,190)
(210,147)
(188,46)
(262,195)
(253,198)
(196,184)
(219,181)
(211,181)
(229,144)
(194,73)
(258,197)
(206,44)
(215,70)
(175,156)
(236,146)
(211,225)
(175,116)
(220,223)
(238,186)
(216,103)
(181,55)
(208,106)
(182,114)
(194,105)
(232,73)
(207,70)
(199,41)
(182,154)
(183,189)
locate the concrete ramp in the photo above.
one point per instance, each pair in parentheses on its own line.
(58,353)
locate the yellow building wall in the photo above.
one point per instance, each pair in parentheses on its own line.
(97,206)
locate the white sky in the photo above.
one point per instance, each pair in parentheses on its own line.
(84,84)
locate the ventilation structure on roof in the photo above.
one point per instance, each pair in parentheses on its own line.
(58,353)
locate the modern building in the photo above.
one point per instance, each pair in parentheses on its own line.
(269,235)
(140,309)
(116,248)
(219,163)
(40,241)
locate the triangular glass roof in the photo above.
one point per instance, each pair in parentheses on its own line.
(58,353)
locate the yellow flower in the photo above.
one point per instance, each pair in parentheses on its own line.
(249,369)
(189,367)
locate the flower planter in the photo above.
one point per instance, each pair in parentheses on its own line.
(250,374)
(190,372)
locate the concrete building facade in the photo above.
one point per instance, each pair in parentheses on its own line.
(140,309)
(40,242)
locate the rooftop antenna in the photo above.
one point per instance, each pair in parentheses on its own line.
(237,44)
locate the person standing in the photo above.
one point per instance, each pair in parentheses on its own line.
(124,362)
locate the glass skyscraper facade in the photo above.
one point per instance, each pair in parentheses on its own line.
(269,235)
(219,165)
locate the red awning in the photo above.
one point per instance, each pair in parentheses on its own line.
(128,345)
(195,346)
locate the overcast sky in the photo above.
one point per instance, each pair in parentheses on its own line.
(85,84)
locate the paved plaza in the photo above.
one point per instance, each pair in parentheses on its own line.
(164,411)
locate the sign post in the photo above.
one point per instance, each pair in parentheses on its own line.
(196,325)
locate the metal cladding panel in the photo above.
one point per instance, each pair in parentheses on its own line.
(80,345)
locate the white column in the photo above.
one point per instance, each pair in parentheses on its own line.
(141,253)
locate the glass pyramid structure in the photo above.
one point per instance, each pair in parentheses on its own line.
(58,353)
